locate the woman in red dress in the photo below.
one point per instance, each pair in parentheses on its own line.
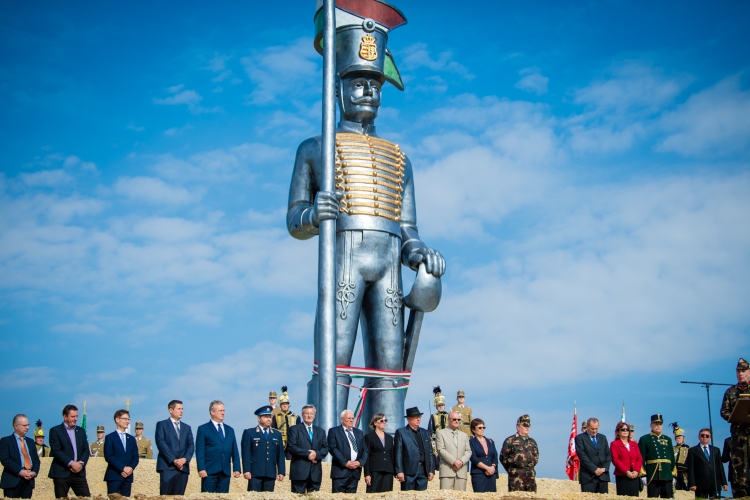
(627,460)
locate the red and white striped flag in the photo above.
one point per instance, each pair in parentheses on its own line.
(573,465)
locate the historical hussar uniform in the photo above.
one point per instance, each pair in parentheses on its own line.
(518,456)
(97,448)
(680,456)
(466,415)
(375,214)
(41,449)
(438,420)
(284,419)
(144,444)
(659,465)
(739,434)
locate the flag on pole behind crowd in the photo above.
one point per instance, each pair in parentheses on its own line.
(622,419)
(83,420)
(573,465)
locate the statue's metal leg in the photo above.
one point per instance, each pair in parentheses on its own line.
(383,338)
(350,290)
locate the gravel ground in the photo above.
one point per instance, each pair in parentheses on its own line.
(146,487)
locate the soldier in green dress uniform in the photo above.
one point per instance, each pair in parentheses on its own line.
(144,444)
(41,449)
(465,411)
(438,420)
(519,455)
(680,456)
(284,419)
(739,433)
(659,464)
(97,448)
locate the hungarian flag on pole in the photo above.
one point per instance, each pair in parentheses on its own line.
(83,421)
(573,465)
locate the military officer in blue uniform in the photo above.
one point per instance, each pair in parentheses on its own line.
(659,464)
(262,453)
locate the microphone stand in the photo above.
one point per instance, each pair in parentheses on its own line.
(708,385)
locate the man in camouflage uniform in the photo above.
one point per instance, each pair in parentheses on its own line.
(438,420)
(659,464)
(97,449)
(519,456)
(680,456)
(41,449)
(283,420)
(740,433)
(465,411)
(144,443)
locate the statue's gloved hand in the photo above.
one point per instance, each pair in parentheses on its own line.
(326,206)
(434,263)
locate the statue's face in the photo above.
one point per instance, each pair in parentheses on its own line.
(360,98)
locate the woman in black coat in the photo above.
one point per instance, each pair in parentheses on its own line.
(379,465)
(484,459)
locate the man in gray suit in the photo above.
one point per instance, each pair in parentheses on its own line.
(593,451)
(454,453)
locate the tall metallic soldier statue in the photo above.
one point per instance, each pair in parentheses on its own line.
(375,213)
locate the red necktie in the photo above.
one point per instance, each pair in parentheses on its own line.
(26,457)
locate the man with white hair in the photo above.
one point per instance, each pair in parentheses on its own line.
(349,454)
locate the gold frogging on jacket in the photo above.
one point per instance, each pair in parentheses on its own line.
(370,173)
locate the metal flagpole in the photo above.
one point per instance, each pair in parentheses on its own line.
(326,321)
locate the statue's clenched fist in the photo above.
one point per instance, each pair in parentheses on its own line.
(434,263)
(326,206)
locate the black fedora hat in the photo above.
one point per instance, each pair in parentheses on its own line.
(413,412)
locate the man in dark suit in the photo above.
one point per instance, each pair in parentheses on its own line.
(308,446)
(121,454)
(414,461)
(174,440)
(262,451)
(704,468)
(593,452)
(216,452)
(726,456)
(349,454)
(70,452)
(20,461)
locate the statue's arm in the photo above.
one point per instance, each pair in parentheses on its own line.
(413,250)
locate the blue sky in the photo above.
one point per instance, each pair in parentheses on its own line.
(584,167)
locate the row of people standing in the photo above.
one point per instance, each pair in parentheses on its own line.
(652,460)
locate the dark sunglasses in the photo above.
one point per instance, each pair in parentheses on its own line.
(383,420)
(624,429)
(455,420)
(705,435)
(479,427)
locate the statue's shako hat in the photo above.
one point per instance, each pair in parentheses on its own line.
(439,398)
(362,28)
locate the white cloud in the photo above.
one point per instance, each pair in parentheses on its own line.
(21,378)
(46,178)
(289,72)
(533,81)
(714,121)
(76,328)
(153,190)
(417,56)
(190,98)
(74,161)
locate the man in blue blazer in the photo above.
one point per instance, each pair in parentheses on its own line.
(20,461)
(414,461)
(121,454)
(308,446)
(263,453)
(349,454)
(174,440)
(70,453)
(216,452)
(593,451)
